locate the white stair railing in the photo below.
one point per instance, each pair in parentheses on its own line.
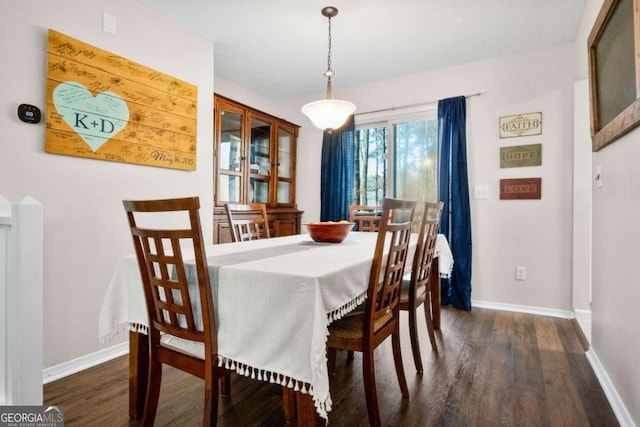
(21,273)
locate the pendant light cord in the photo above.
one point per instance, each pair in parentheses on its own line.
(329,72)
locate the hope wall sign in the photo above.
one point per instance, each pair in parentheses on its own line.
(103,106)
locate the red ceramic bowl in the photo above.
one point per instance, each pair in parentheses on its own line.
(329,232)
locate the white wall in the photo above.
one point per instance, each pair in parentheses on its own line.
(616,288)
(238,93)
(615,249)
(85,229)
(532,233)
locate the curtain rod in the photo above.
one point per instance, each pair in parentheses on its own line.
(412,105)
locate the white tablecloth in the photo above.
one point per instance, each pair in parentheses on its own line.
(274,303)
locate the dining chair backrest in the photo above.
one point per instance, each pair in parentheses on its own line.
(247,221)
(419,288)
(161,254)
(385,280)
(364,331)
(425,249)
(365,218)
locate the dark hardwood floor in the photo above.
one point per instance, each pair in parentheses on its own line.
(493,368)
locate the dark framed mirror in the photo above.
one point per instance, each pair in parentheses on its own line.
(614,77)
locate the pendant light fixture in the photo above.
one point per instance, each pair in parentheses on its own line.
(329,113)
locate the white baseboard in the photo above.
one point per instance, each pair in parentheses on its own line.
(541,311)
(622,414)
(584,320)
(81,363)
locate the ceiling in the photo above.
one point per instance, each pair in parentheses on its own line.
(278,48)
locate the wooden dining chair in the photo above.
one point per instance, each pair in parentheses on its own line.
(417,289)
(175,338)
(364,331)
(247,222)
(365,218)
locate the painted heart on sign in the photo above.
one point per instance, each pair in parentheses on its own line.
(96,119)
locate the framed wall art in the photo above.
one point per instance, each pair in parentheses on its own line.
(521,125)
(103,106)
(520,156)
(614,72)
(521,189)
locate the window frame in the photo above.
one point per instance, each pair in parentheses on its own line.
(388,118)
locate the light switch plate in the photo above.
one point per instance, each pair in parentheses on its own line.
(108,23)
(481,191)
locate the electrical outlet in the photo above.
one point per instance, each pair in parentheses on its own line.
(521,273)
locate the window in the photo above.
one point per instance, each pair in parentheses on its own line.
(396,156)
(370,166)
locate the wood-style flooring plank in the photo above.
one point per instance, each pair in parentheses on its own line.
(492,368)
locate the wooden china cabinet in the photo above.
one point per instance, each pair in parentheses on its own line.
(255,161)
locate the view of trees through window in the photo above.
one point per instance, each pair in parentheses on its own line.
(396,159)
(370,167)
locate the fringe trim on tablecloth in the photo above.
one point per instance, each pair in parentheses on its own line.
(275,378)
(339,312)
(139,327)
(446,274)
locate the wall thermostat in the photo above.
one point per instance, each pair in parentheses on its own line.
(29,113)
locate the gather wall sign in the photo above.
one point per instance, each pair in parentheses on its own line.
(103,106)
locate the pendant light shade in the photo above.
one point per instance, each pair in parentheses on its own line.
(329,113)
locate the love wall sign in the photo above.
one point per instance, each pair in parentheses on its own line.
(103,106)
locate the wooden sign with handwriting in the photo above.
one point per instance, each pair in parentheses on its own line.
(103,106)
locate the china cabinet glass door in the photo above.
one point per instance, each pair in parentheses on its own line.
(259,161)
(230,156)
(286,156)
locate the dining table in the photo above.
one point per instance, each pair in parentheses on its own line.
(274,300)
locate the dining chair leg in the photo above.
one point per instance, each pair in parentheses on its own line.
(153,393)
(413,336)
(434,286)
(138,373)
(371,395)
(210,399)
(331,360)
(306,411)
(225,384)
(289,404)
(397,358)
(429,318)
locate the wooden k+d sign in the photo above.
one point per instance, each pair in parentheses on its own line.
(103,106)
